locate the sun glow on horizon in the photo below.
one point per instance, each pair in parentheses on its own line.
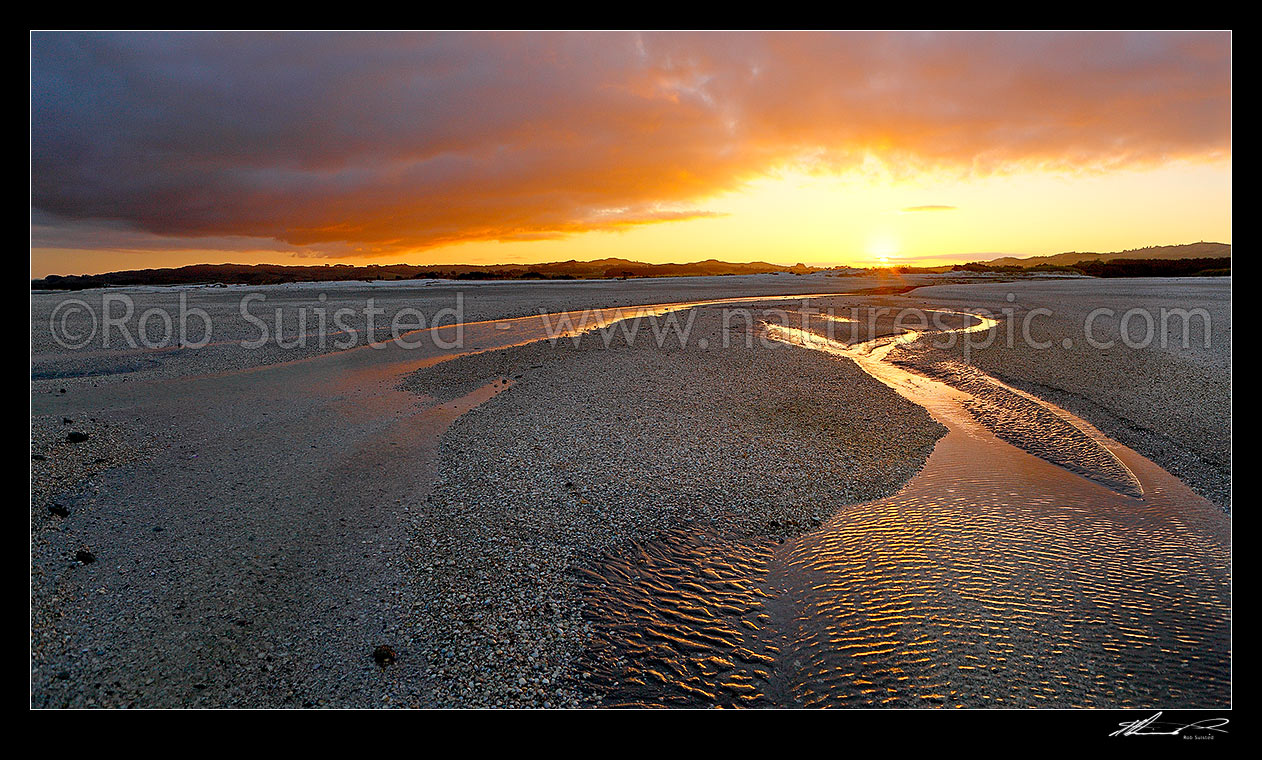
(883,247)
(859,218)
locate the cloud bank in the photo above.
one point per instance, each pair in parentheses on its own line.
(372,143)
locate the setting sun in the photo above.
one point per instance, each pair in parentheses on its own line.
(883,247)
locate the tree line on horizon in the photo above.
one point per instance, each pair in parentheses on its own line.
(1198,267)
(276,274)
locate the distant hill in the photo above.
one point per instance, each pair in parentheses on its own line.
(1187,251)
(272,274)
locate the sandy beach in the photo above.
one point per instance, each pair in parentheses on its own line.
(522,522)
(1170,400)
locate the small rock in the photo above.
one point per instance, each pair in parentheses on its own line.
(59,510)
(383,656)
(75,436)
(85,556)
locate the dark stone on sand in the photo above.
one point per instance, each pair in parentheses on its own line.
(38,457)
(383,656)
(85,556)
(75,436)
(59,510)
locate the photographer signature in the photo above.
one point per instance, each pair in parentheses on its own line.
(1150,727)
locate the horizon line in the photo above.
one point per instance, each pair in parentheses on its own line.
(892,262)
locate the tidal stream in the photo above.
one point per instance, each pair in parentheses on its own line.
(1081,574)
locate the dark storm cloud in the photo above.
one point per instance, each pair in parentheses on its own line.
(395,141)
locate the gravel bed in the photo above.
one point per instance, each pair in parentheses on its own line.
(67,456)
(1169,401)
(357,574)
(289,318)
(595,449)
(1021,421)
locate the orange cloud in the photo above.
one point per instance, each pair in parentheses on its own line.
(378,142)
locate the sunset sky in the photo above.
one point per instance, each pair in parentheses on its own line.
(155,150)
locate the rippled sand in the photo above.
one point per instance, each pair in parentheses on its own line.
(1170,401)
(994,578)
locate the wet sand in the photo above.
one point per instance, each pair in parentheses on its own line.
(994,578)
(594,450)
(258,555)
(473,514)
(55,367)
(1167,400)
